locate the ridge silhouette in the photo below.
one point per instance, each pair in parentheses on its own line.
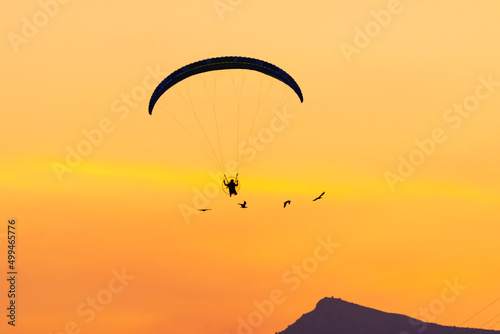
(335,316)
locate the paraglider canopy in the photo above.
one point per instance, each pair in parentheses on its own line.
(223,63)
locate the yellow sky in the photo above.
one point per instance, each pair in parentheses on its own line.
(372,104)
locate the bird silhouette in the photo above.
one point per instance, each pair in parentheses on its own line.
(319,197)
(243,205)
(287,202)
(204,209)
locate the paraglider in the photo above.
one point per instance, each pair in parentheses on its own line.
(219,107)
(231,185)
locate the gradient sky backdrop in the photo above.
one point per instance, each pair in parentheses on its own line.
(119,207)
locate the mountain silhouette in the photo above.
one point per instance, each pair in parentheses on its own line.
(335,316)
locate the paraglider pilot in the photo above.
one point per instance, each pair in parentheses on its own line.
(231,185)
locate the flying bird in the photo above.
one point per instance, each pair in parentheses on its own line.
(319,197)
(287,202)
(204,209)
(243,205)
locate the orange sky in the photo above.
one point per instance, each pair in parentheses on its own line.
(128,204)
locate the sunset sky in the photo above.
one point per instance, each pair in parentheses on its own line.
(399,126)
